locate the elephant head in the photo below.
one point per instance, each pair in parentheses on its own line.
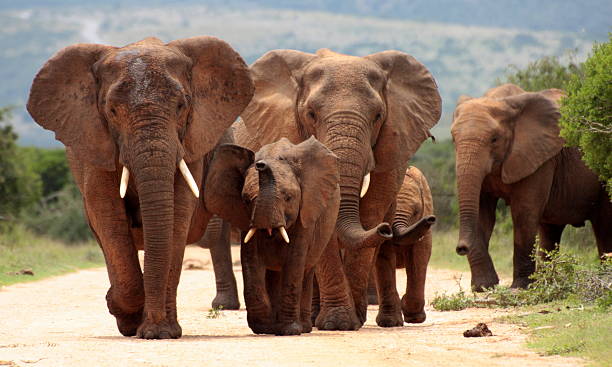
(509,134)
(280,187)
(373,112)
(147,109)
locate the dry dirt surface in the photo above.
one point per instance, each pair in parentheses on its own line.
(63,321)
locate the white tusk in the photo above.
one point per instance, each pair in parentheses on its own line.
(189,178)
(283,233)
(249,234)
(125,178)
(365,185)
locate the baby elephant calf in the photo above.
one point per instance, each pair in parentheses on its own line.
(285,198)
(410,248)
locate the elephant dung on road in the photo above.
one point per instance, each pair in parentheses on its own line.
(508,146)
(285,199)
(137,122)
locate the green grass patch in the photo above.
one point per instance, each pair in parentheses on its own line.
(22,253)
(578,242)
(566,329)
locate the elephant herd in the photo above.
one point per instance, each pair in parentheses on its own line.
(307,154)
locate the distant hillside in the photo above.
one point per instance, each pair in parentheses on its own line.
(464,59)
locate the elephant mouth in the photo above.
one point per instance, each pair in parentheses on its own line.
(269,231)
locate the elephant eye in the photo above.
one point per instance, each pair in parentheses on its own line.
(378,117)
(311,115)
(494,139)
(288,198)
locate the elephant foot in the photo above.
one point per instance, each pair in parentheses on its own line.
(294,328)
(306,326)
(337,318)
(161,330)
(483,285)
(415,317)
(128,323)
(394,319)
(413,310)
(521,282)
(263,328)
(226,300)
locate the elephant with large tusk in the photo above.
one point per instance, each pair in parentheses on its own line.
(142,117)
(373,112)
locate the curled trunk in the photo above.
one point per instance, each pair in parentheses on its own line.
(407,234)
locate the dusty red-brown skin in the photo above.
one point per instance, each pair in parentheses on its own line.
(373,112)
(144,106)
(410,249)
(281,186)
(508,147)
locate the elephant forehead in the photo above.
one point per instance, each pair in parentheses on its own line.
(345,66)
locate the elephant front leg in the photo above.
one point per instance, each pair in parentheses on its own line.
(413,302)
(337,310)
(482,268)
(525,229)
(259,308)
(306,301)
(389,311)
(108,221)
(289,318)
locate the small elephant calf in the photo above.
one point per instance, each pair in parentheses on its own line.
(286,198)
(410,248)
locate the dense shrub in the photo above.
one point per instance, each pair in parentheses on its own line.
(544,73)
(586,113)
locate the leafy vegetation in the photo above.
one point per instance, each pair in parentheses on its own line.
(544,73)
(27,257)
(587,112)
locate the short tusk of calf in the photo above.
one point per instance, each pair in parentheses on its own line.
(249,235)
(283,233)
(125,178)
(189,178)
(365,185)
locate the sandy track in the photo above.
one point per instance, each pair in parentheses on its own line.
(63,321)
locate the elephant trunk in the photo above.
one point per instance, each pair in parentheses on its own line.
(352,149)
(266,214)
(407,234)
(153,163)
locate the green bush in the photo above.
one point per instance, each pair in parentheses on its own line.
(545,73)
(586,113)
(60,216)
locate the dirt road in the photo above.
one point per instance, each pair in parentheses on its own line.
(63,321)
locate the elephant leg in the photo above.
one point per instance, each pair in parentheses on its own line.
(316,301)
(550,237)
(483,271)
(292,280)
(602,228)
(413,302)
(337,310)
(372,293)
(108,221)
(273,288)
(217,238)
(389,311)
(306,301)
(258,305)
(525,229)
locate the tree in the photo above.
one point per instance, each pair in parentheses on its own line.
(586,112)
(547,72)
(19,185)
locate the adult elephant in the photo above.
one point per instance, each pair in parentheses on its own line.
(137,122)
(508,146)
(373,112)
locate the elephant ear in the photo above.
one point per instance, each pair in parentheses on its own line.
(63,99)
(221,88)
(271,114)
(317,169)
(224,182)
(413,107)
(536,135)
